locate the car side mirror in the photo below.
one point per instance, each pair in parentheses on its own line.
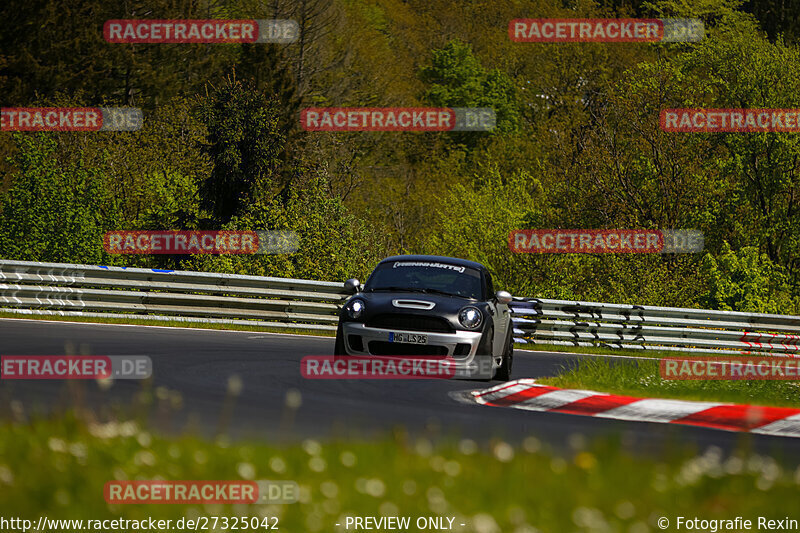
(352,286)
(503,297)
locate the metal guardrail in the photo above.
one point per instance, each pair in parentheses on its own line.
(153,294)
(569,323)
(202,297)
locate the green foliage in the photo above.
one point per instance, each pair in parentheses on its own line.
(778,18)
(474,220)
(578,144)
(747,280)
(267,71)
(457,79)
(334,244)
(709,10)
(741,69)
(53,212)
(244,143)
(57,46)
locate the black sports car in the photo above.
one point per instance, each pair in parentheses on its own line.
(430,306)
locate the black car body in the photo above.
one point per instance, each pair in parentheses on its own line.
(430,306)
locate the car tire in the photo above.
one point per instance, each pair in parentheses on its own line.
(485,349)
(504,372)
(338,348)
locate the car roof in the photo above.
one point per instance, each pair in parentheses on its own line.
(438,259)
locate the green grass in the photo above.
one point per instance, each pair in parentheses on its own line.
(169,323)
(58,468)
(601,351)
(642,378)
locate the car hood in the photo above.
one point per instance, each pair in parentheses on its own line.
(414,303)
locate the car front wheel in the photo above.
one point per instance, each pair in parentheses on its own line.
(338,348)
(504,372)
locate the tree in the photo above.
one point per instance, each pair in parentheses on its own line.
(333,243)
(52,46)
(746,280)
(456,78)
(743,70)
(51,212)
(245,145)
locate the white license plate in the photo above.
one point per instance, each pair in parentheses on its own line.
(409,338)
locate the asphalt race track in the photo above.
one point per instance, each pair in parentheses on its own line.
(198,364)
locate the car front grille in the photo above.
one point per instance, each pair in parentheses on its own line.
(402,348)
(433,324)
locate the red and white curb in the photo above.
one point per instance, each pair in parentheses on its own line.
(527,394)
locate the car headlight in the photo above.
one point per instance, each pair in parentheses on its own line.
(355,308)
(470,317)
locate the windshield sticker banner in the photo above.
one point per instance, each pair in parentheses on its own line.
(429,265)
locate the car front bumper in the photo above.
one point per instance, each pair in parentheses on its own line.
(461,346)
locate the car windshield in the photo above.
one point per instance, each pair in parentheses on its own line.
(426,276)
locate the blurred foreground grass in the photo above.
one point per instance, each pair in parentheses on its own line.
(642,378)
(58,467)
